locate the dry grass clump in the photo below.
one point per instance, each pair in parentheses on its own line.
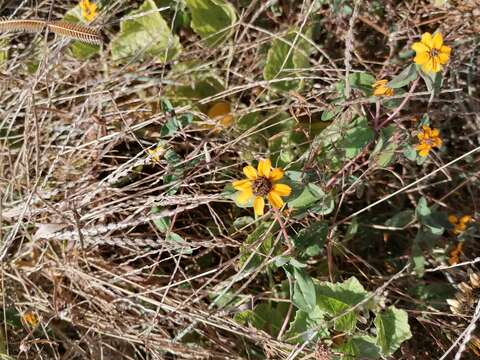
(109,251)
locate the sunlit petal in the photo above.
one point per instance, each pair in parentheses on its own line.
(259,206)
(452,219)
(418,47)
(282,189)
(275,199)
(264,167)
(421,58)
(276,174)
(244,197)
(443,58)
(445,50)
(250,172)
(242,185)
(437,41)
(427,39)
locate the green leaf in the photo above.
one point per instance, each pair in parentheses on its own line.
(145,36)
(259,234)
(422,209)
(392,329)
(384,151)
(401,219)
(310,194)
(359,347)
(357,137)
(307,326)
(410,152)
(433,81)
(328,115)
(268,317)
(336,298)
(310,241)
(304,296)
(213,20)
(284,61)
(162,224)
(406,76)
(361,81)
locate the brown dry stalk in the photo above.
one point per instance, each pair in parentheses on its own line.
(78,32)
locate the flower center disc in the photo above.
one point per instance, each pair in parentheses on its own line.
(433,52)
(261,186)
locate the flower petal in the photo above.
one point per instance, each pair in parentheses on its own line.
(452,219)
(258,206)
(465,219)
(378,83)
(435,133)
(250,172)
(244,196)
(428,66)
(275,200)
(436,66)
(427,40)
(264,167)
(419,47)
(445,50)
(276,174)
(242,185)
(437,41)
(421,58)
(282,189)
(443,58)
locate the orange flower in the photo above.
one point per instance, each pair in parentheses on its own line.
(262,183)
(431,54)
(380,88)
(221,113)
(30,318)
(459,225)
(89,10)
(429,138)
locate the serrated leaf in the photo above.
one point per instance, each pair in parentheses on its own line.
(304,296)
(392,329)
(213,20)
(145,36)
(284,61)
(406,76)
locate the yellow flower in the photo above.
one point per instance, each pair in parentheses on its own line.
(30,318)
(262,183)
(156,153)
(89,10)
(459,225)
(380,88)
(454,257)
(220,112)
(431,54)
(429,138)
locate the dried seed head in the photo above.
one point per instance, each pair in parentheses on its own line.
(474,280)
(465,288)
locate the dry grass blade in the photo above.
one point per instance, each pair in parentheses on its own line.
(10,25)
(75,31)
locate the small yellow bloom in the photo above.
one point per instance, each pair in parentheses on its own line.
(30,318)
(89,10)
(156,153)
(431,54)
(220,112)
(260,183)
(459,225)
(429,138)
(380,88)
